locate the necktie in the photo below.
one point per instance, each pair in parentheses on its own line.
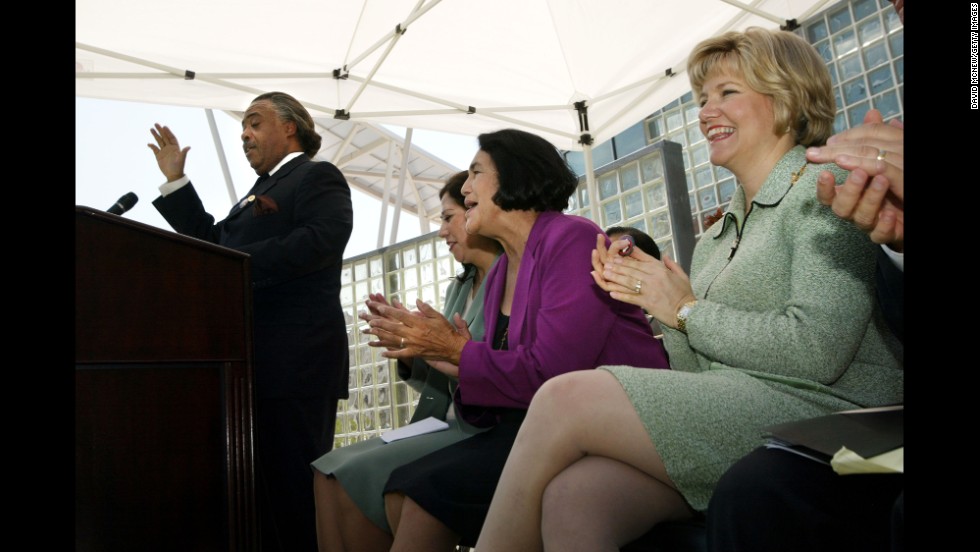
(260,180)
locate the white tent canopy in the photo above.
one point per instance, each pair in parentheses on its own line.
(573,71)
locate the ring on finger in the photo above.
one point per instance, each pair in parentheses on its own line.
(881,155)
(403,343)
(638,286)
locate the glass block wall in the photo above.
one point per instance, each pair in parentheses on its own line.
(379,400)
(862,43)
(645,189)
(634,194)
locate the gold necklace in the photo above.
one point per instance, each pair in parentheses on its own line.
(798,174)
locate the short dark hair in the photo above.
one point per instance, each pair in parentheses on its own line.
(640,238)
(289,109)
(532,173)
(454,187)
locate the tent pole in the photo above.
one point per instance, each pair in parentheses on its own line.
(346,143)
(590,183)
(420,210)
(389,168)
(405,149)
(221,156)
(753,10)
(585,138)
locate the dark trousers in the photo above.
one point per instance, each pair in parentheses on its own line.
(290,433)
(773,500)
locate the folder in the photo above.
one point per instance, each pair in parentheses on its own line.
(868,432)
(421,427)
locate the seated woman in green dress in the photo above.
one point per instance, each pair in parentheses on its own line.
(777,322)
(348,481)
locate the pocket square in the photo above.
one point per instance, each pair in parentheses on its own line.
(264,205)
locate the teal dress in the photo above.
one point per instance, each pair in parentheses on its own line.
(363,468)
(786,327)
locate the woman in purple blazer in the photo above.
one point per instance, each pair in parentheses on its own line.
(543,317)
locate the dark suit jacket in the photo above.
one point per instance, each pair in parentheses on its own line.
(295,225)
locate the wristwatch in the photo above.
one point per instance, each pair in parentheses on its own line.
(683,313)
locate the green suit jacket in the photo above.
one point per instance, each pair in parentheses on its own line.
(435,387)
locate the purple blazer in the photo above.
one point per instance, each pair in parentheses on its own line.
(560,321)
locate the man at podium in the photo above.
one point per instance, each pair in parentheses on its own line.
(294,223)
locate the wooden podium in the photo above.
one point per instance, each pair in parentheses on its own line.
(163,390)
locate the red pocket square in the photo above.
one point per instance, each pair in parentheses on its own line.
(264,205)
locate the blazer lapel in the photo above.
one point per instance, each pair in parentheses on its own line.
(494,294)
(474,322)
(266,185)
(518,309)
(525,276)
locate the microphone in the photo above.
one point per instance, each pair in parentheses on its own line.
(124,204)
